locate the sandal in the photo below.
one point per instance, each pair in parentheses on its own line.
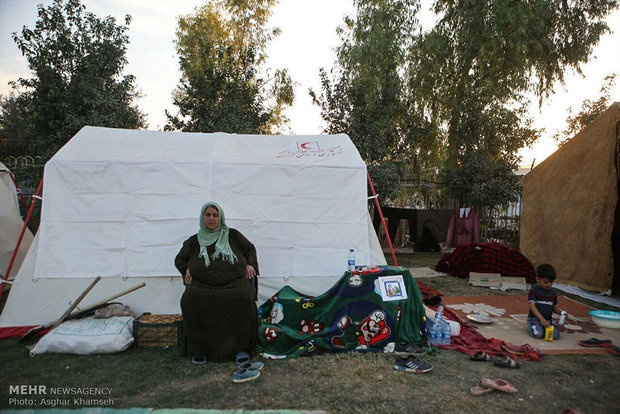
(256,366)
(242,357)
(498,384)
(480,356)
(243,361)
(595,342)
(245,375)
(199,360)
(507,362)
(480,389)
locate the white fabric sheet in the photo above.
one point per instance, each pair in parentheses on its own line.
(119,203)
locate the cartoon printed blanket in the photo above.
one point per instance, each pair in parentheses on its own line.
(351,315)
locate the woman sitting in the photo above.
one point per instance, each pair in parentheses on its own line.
(220,268)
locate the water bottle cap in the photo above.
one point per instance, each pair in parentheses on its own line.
(350,250)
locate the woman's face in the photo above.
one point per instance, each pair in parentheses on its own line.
(211,219)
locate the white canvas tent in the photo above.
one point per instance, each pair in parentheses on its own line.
(119,203)
(11,224)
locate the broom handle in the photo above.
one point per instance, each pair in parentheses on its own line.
(118,295)
(68,311)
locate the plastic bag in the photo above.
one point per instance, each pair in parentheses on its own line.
(88,336)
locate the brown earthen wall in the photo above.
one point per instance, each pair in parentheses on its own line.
(568,206)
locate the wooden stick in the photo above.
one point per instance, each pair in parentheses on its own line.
(118,295)
(101,302)
(68,312)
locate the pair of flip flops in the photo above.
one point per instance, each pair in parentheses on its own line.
(486,385)
(602,343)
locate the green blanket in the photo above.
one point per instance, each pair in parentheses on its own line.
(352,315)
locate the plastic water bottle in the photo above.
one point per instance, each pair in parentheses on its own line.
(351,261)
(446,332)
(440,334)
(434,332)
(439,315)
(562,317)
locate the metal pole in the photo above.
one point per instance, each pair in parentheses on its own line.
(387,234)
(21,236)
(21,197)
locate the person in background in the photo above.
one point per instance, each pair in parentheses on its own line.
(543,302)
(220,268)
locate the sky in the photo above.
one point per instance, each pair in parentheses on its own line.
(306,43)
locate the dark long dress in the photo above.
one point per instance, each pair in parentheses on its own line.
(219,309)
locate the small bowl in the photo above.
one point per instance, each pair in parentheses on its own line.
(606,319)
(476,317)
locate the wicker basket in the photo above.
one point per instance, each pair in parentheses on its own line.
(158,330)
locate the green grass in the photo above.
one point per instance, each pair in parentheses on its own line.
(339,383)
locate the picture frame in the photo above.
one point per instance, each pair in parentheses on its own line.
(392,288)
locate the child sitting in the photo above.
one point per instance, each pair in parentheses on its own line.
(543,302)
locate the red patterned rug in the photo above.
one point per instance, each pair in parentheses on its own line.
(509,315)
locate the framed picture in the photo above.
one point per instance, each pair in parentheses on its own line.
(392,288)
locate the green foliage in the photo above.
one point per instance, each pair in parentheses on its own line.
(473,69)
(369,100)
(482,153)
(15,121)
(76,60)
(225,85)
(590,110)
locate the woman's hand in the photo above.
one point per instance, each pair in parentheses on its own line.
(250,272)
(188,278)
